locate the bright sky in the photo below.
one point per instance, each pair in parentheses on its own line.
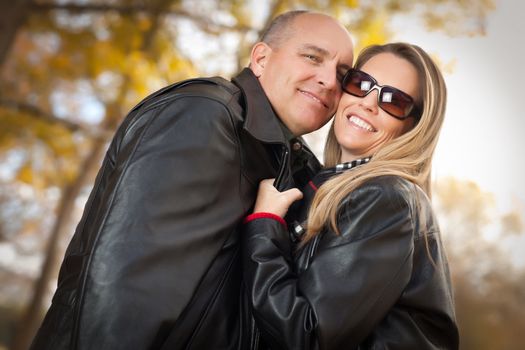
(483,135)
(484,131)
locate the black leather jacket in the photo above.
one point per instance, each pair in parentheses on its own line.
(154,261)
(379,285)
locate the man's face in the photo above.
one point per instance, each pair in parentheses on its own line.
(301,77)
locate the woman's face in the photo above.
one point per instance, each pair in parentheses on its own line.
(361,126)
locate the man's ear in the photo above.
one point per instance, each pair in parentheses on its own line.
(258,58)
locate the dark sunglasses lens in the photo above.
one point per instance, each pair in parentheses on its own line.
(395,102)
(357,83)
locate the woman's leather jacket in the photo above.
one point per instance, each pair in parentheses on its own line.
(383,283)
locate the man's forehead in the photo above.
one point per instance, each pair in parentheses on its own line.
(316,48)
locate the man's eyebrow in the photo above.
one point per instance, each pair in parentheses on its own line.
(315,48)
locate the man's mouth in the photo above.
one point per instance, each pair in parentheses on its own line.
(314,97)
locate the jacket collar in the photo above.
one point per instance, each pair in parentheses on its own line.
(260,121)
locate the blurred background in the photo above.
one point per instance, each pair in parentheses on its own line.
(70,71)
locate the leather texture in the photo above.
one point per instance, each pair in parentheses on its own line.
(383,283)
(154,261)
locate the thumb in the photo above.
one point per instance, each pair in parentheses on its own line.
(293,195)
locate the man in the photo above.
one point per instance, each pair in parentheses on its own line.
(154,261)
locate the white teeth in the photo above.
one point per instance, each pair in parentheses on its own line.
(361,123)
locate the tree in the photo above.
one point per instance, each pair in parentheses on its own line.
(488,286)
(71,71)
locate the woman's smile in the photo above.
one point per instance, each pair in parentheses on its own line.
(360,123)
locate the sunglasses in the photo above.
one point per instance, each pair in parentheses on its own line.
(391,100)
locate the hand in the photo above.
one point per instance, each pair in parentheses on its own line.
(270,200)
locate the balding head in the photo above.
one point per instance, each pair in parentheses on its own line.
(299,62)
(280,28)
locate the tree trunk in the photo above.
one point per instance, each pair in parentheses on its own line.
(31,319)
(12,16)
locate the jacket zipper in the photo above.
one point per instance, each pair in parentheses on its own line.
(278,183)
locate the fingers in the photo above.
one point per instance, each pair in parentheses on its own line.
(270,200)
(292,195)
(267,183)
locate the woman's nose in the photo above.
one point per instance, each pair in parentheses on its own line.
(369,102)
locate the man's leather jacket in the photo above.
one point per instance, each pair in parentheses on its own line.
(154,261)
(383,283)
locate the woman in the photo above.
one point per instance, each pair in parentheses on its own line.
(369,271)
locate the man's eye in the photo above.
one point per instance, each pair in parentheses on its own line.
(312,58)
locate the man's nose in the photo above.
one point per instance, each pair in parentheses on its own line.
(328,78)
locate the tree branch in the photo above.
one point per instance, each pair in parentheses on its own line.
(36,112)
(202,22)
(12,17)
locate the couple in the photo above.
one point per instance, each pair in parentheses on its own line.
(172,252)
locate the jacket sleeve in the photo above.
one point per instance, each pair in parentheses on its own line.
(169,204)
(352,281)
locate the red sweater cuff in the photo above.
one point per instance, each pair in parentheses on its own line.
(255,216)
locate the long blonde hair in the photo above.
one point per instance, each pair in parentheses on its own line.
(408,156)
